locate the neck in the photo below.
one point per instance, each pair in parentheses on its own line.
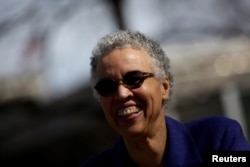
(148,151)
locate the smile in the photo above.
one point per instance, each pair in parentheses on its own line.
(128,111)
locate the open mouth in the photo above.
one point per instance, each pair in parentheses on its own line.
(128,111)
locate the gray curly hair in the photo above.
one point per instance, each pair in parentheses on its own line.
(133,39)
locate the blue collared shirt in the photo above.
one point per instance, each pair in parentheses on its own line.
(187,144)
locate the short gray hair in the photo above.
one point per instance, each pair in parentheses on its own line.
(133,39)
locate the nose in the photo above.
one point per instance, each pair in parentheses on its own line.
(123,92)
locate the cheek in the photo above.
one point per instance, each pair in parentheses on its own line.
(151,90)
(106,104)
(144,97)
(151,94)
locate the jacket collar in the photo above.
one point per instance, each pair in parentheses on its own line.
(180,149)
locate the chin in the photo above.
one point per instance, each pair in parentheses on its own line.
(132,132)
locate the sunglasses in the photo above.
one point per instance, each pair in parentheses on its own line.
(131,80)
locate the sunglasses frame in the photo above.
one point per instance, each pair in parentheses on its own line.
(128,77)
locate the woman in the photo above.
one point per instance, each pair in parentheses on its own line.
(132,81)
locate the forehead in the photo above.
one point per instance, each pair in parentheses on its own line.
(120,61)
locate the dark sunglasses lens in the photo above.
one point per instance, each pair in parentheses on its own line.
(106,87)
(133,79)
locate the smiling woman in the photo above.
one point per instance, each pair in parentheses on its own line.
(131,79)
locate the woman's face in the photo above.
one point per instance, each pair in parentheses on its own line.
(132,112)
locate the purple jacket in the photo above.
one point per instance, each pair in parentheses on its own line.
(187,145)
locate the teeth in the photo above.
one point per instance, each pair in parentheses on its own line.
(128,111)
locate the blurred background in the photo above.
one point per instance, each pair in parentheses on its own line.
(48,116)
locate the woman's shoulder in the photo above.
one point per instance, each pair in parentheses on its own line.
(219,133)
(213,125)
(212,121)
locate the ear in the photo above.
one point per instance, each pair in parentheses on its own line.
(165,88)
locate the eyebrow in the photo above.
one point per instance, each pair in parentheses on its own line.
(132,71)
